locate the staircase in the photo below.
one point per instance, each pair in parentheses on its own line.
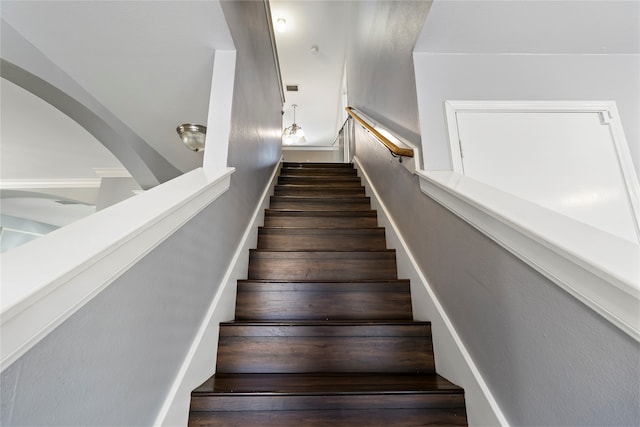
(324,332)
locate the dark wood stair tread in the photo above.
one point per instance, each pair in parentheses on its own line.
(336,198)
(381,253)
(323,284)
(370,417)
(321,400)
(325,347)
(321,238)
(321,213)
(291,328)
(338,202)
(359,216)
(317,165)
(330,383)
(318,179)
(321,230)
(318,171)
(322,265)
(266,300)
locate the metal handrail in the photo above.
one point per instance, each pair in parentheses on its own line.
(340,130)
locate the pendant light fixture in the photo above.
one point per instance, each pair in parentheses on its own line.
(294,133)
(192,135)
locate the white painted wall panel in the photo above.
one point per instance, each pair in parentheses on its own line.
(566,162)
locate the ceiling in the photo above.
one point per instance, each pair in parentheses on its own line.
(534,27)
(317,72)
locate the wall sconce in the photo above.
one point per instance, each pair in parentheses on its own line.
(192,135)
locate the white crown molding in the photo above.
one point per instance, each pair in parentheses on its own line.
(112,172)
(32,184)
(310,148)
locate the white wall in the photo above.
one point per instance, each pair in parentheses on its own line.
(527,50)
(330,156)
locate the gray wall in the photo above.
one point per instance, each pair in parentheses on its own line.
(548,359)
(525,77)
(112,363)
(380,77)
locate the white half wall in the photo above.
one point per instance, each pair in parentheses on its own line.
(200,362)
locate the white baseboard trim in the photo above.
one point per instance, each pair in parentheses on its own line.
(453,361)
(200,361)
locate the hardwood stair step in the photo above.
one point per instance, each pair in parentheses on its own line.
(370,417)
(325,347)
(321,239)
(318,172)
(322,265)
(305,190)
(316,165)
(320,218)
(323,400)
(323,300)
(327,203)
(319,180)
(344,384)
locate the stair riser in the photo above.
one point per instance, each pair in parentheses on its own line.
(337,266)
(319,418)
(347,181)
(344,222)
(343,418)
(315,191)
(338,349)
(308,301)
(251,402)
(318,172)
(321,205)
(321,240)
(324,165)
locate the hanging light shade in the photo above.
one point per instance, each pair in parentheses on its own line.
(294,133)
(281,25)
(192,135)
